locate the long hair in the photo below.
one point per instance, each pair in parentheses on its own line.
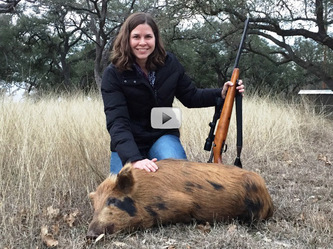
(121,55)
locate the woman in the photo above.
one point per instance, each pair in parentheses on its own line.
(141,76)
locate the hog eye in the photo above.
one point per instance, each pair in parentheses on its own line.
(111,201)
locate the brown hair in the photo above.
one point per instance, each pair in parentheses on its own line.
(121,55)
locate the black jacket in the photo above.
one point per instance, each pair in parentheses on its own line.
(128,99)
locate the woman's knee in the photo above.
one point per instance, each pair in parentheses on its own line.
(115,163)
(167,146)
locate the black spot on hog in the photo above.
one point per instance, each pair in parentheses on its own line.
(189,186)
(196,205)
(215,185)
(126,205)
(251,187)
(252,210)
(151,211)
(161,206)
(155,208)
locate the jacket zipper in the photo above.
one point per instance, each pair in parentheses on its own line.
(155,95)
(153,89)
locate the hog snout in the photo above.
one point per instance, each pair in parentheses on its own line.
(95,230)
(92,235)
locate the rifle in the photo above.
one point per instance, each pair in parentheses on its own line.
(223,111)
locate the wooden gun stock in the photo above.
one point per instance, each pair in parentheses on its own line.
(223,125)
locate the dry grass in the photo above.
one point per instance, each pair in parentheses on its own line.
(53,152)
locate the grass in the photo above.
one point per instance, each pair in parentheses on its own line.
(54,151)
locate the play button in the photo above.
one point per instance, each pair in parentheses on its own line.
(165,118)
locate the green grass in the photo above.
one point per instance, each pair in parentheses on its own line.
(54,152)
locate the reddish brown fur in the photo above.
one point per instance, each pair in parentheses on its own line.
(178,192)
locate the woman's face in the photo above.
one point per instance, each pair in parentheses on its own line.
(142,43)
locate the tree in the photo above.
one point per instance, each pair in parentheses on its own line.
(50,38)
(282,23)
(9,49)
(8,6)
(203,53)
(67,36)
(104,20)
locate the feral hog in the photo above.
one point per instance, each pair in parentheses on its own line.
(178,192)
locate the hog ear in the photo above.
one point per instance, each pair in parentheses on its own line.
(125,180)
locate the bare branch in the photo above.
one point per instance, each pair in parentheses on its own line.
(8,6)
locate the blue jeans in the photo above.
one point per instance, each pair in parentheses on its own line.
(167,146)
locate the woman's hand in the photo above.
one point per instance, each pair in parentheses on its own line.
(228,84)
(146,164)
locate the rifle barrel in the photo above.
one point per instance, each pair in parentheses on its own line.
(246,25)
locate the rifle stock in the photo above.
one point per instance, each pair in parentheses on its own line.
(223,125)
